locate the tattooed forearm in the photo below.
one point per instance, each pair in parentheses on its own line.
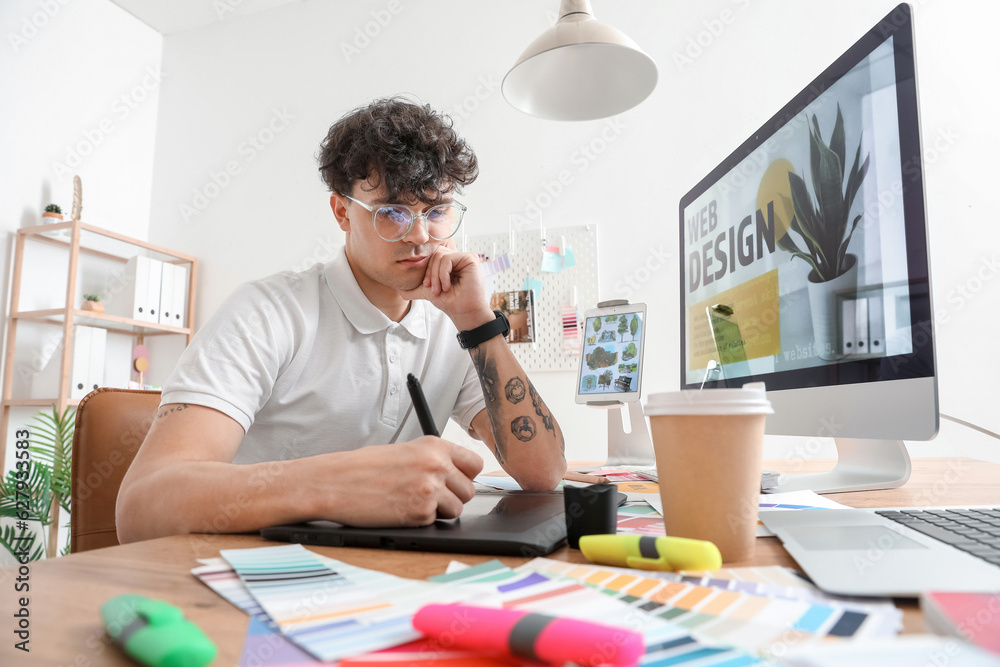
(486,368)
(514,390)
(541,409)
(523,428)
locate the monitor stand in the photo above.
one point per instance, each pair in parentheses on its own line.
(633,448)
(862,465)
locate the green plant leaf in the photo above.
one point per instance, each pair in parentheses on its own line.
(843,247)
(830,201)
(787,243)
(837,141)
(806,222)
(854,184)
(38,492)
(9,541)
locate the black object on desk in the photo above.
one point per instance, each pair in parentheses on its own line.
(420,405)
(590,510)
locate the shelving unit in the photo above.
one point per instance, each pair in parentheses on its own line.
(69,314)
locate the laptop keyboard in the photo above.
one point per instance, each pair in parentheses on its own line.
(974,531)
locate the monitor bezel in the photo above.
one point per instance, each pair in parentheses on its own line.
(898,25)
(616,397)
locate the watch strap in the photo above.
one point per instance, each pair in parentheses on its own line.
(481,334)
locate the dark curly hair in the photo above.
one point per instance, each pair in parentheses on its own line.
(412,149)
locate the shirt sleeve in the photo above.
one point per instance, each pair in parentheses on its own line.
(233,362)
(470,397)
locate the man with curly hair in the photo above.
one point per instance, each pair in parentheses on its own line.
(289,404)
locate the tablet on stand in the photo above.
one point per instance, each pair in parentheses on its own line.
(610,378)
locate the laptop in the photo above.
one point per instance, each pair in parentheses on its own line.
(499,523)
(897,552)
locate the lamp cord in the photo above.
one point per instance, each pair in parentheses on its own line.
(970,425)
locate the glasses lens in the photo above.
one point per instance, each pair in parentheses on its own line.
(443,221)
(392,222)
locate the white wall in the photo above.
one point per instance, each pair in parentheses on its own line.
(285,75)
(79,96)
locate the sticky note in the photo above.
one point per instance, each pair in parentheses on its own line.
(552,262)
(569,260)
(534,285)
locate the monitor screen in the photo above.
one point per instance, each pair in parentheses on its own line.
(611,362)
(804,253)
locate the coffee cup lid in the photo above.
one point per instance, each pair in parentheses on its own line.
(751,399)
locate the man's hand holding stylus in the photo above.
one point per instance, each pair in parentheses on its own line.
(407,484)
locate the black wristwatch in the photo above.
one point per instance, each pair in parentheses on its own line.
(473,337)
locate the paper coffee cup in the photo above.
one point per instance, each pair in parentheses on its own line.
(709,445)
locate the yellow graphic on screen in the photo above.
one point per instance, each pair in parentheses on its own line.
(754,306)
(774,187)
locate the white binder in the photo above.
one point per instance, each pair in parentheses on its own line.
(79,379)
(166,314)
(132,300)
(155,271)
(178,313)
(98,348)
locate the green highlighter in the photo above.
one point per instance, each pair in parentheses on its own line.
(156,633)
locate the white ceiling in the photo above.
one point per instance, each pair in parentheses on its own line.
(179,15)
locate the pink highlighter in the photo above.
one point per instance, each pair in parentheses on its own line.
(530,636)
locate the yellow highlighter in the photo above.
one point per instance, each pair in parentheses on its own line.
(651,553)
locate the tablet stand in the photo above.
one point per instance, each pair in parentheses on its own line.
(633,448)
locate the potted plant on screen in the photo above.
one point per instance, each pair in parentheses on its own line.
(824,226)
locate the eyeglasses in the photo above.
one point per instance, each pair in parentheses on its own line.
(394,222)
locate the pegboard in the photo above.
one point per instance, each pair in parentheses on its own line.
(547,353)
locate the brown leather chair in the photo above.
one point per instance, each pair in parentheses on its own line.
(110,426)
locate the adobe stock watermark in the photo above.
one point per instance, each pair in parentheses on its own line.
(33,24)
(657,259)
(964,292)
(485,88)
(581,159)
(365,34)
(40,357)
(252,146)
(121,108)
(712,30)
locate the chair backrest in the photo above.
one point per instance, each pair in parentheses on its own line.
(110,426)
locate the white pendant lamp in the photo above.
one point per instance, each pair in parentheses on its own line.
(579,69)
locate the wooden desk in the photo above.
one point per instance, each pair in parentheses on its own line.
(66,593)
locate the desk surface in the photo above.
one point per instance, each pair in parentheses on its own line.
(66,593)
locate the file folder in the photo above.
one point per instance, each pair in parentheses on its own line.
(154,267)
(166,315)
(79,379)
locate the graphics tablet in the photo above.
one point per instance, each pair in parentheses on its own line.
(503,523)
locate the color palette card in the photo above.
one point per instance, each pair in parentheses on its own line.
(666,642)
(331,609)
(265,645)
(752,622)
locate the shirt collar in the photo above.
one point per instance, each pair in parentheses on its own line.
(361,313)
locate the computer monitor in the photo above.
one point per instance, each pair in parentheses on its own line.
(805,266)
(610,377)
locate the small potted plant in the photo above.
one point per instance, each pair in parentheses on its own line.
(52,214)
(93,302)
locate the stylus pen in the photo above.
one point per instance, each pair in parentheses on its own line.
(420,405)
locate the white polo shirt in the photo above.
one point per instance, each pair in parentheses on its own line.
(307,365)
